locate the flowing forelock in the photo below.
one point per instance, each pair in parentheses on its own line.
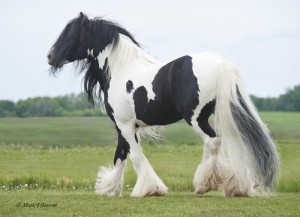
(94,34)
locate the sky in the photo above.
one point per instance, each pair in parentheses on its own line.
(261,37)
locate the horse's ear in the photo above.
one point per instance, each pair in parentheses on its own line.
(81,15)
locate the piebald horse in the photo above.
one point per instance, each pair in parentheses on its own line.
(139,91)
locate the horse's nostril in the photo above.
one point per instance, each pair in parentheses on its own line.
(50,59)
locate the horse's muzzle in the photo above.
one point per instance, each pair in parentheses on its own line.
(52,62)
(50,59)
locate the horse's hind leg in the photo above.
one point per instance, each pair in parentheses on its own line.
(148,182)
(110,180)
(213,169)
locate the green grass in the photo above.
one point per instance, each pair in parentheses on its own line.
(57,131)
(290,174)
(285,127)
(85,203)
(55,160)
(65,168)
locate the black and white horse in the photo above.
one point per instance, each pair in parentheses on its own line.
(139,91)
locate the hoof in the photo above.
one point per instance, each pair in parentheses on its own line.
(158,189)
(202,190)
(235,188)
(210,175)
(150,192)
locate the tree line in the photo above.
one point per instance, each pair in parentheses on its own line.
(290,101)
(68,105)
(77,105)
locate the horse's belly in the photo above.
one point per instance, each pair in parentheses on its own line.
(154,113)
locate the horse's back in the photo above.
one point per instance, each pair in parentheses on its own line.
(187,82)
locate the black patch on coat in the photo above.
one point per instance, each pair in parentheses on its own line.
(184,87)
(109,110)
(153,112)
(140,101)
(176,94)
(129,86)
(202,120)
(122,148)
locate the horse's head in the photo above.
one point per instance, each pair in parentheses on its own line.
(71,45)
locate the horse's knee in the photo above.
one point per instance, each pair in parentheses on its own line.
(214,144)
(211,147)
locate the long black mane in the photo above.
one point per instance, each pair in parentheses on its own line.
(103,33)
(93,34)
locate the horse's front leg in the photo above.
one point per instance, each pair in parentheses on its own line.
(148,182)
(110,179)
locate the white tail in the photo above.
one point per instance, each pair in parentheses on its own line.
(244,138)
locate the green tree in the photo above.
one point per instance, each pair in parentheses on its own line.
(7,108)
(290,101)
(68,105)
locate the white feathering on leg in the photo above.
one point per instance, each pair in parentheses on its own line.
(213,171)
(110,179)
(148,183)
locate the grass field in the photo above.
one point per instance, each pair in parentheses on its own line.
(83,203)
(55,160)
(285,127)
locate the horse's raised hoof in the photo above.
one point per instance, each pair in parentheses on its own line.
(110,180)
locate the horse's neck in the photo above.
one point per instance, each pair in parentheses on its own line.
(123,56)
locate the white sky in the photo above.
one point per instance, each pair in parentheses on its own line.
(261,37)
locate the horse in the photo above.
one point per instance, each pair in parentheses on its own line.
(139,91)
